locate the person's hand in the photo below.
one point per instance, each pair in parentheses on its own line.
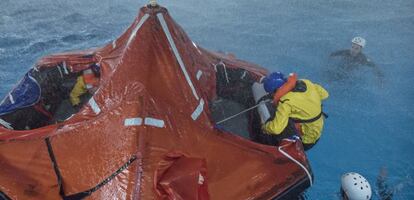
(266,98)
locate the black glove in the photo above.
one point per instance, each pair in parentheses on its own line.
(268,96)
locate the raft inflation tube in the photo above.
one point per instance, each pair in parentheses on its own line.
(262,109)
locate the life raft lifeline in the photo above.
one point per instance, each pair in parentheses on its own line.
(90,79)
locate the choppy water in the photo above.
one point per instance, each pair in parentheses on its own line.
(370,125)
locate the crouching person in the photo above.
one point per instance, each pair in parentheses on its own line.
(299,105)
(86,85)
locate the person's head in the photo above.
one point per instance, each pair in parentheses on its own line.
(91,77)
(357,44)
(355,187)
(273,81)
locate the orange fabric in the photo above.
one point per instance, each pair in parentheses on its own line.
(285,88)
(180,177)
(93,144)
(91,79)
(298,127)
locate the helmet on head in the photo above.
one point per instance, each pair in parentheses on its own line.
(273,81)
(96,69)
(355,186)
(359,41)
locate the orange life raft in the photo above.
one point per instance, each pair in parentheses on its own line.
(147,133)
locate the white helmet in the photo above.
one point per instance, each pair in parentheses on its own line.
(355,186)
(359,41)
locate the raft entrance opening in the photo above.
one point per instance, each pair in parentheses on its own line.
(234,88)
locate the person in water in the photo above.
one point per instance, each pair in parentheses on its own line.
(86,84)
(355,187)
(353,58)
(299,102)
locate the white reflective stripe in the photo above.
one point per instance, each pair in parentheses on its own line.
(133,122)
(11,98)
(177,55)
(114,44)
(199,73)
(88,86)
(198,110)
(134,32)
(65,68)
(200,179)
(154,122)
(244,74)
(94,106)
(6,124)
(225,72)
(261,79)
(87,71)
(297,162)
(198,50)
(60,71)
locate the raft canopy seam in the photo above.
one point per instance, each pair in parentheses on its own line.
(176,53)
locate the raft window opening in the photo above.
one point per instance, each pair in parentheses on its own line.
(54,105)
(234,94)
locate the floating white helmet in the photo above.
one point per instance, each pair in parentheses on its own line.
(359,41)
(355,186)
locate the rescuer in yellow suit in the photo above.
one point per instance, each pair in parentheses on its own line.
(302,105)
(88,82)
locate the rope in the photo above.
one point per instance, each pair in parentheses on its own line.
(244,111)
(297,162)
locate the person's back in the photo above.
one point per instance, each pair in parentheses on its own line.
(305,103)
(351,61)
(301,105)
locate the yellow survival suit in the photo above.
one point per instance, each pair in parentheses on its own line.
(304,108)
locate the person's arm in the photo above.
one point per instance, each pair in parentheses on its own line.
(280,121)
(385,193)
(78,90)
(377,71)
(321,91)
(339,53)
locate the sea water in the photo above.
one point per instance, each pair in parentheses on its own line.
(370,125)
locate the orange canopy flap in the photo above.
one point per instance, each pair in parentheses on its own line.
(153,100)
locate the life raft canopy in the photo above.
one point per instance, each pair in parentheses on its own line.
(136,140)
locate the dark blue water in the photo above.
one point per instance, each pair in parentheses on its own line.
(371,121)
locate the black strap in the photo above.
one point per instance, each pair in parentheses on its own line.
(296,120)
(86,193)
(55,167)
(83,194)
